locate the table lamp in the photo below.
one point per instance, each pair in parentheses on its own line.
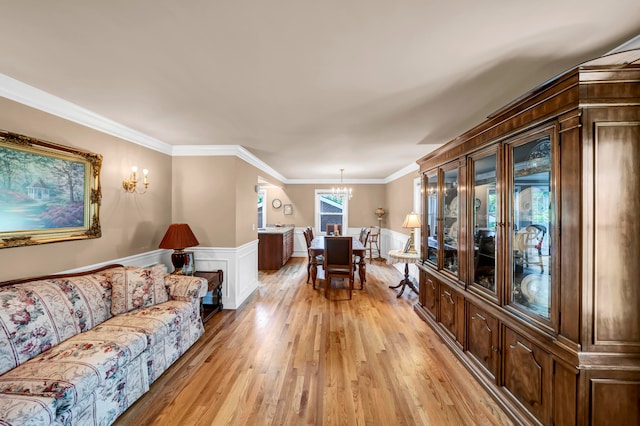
(178,237)
(411,221)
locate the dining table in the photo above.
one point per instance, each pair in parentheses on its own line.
(317,248)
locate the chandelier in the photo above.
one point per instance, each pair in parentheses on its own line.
(342,191)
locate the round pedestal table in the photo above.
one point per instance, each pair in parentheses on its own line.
(397,256)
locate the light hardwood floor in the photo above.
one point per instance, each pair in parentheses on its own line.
(289,356)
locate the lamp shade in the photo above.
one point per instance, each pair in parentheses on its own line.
(178,236)
(411,221)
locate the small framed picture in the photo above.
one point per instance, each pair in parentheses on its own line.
(288,209)
(189,267)
(407,246)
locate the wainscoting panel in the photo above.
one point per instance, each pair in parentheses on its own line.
(240,269)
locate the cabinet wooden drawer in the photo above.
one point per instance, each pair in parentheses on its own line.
(483,339)
(527,374)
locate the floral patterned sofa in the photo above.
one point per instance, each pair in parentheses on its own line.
(79,349)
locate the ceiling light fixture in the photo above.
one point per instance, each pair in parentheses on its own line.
(342,191)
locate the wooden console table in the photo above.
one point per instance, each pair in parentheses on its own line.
(214,278)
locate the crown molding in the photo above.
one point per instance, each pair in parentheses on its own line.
(334,181)
(411,168)
(632,43)
(226,150)
(25,94)
(20,92)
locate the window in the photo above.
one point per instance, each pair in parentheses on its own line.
(262,211)
(330,209)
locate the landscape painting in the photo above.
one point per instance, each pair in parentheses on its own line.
(48,192)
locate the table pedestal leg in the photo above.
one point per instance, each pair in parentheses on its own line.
(405,282)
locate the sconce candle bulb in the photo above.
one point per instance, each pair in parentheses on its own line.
(131,184)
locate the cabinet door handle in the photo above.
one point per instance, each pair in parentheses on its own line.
(446,293)
(430,281)
(479,316)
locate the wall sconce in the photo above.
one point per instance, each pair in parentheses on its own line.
(131,184)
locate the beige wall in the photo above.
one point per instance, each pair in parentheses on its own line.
(399,195)
(131,224)
(204,196)
(366,198)
(216,196)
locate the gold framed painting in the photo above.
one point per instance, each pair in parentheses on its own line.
(48,192)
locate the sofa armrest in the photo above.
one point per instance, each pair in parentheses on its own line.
(185,287)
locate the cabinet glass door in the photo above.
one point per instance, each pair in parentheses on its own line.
(431,211)
(484,211)
(530,230)
(450,204)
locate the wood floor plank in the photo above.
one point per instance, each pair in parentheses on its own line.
(291,356)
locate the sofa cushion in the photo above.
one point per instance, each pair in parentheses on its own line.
(164,325)
(34,317)
(90,296)
(27,410)
(106,403)
(137,288)
(73,369)
(186,288)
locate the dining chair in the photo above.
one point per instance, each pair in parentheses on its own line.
(330,229)
(338,261)
(363,232)
(374,242)
(310,231)
(364,238)
(308,237)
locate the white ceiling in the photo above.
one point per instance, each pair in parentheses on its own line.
(308,87)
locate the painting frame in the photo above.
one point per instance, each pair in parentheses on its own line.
(50,192)
(288,209)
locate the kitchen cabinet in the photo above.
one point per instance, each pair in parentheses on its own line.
(275,247)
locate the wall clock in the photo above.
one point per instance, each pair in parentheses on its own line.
(276,203)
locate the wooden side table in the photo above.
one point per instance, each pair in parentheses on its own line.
(407,258)
(214,278)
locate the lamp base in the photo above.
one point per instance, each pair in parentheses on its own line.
(177,259)
(412,246)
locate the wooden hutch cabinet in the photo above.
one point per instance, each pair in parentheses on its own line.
(530,243)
